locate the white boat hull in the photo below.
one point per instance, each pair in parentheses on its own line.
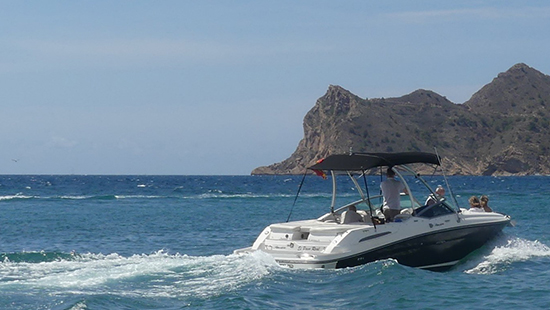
(433,235)
(430,243)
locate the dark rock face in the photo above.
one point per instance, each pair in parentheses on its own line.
(504,129)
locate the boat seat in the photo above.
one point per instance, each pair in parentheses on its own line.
(350,217)
(407,211)
(284,227)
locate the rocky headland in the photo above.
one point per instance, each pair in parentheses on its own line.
(503,129)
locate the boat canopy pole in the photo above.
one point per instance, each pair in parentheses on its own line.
(368,200)
(296,198)
(333,191)
(447,182)
(380,200)
(411,197)
(365,199)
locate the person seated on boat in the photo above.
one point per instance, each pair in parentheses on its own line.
(475,205)
(432,199)
(351,216)
(391,191)
(484,200)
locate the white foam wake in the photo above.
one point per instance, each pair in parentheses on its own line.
(154,275)
(515,250)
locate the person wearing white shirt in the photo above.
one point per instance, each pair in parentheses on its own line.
(391,191)
(475,205)
(439,193)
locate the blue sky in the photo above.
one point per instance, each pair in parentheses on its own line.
(221,87)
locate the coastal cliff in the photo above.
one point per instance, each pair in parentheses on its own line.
(503,129)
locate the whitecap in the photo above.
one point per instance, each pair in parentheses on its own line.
(515,250)
(138,197)
(81,305)
(75,197)
(16,196)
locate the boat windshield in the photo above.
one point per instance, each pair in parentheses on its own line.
(412,203)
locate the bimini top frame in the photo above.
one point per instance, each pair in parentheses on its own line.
(360,162)
(366,161)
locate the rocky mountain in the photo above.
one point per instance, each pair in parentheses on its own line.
(503,129)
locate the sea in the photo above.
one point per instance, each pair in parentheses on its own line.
(166,242)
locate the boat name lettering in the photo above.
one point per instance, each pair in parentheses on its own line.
(440,224)
(310,248)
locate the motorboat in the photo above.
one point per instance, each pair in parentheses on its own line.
(434,237)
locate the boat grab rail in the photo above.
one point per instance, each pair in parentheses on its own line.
(357,202)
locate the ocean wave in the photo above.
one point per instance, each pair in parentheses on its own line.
(513,250)
(16,196)
(36,257)
(83,197)
(140,197)
(237,195)
(221,195)
(110,197)
(203,196)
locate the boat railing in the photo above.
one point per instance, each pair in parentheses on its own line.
(356,203)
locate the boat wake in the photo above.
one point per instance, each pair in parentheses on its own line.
(505,252)
(146,275)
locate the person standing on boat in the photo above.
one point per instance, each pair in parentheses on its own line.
(439,194)
(391,191)
(484,200)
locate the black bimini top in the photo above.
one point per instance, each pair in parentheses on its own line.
(365,161)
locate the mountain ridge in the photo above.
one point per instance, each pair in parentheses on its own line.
(503,129)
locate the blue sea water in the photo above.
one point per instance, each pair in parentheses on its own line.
(166,242)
